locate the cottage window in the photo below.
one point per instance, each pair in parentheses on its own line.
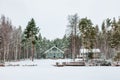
(54,49)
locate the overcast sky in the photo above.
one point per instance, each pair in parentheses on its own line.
(51,15)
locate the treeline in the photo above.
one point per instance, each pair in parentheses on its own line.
(10,40)
(41,45)
(84,34)
(16,44)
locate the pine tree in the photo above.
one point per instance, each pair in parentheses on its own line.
(31,32)
(87,33)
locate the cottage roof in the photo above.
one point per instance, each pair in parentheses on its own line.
(52,48)
(88,50)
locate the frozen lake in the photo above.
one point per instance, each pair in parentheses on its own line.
(46,71)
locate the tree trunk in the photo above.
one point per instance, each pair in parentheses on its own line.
(32,52)
(73,49)
(32,49)
(27,51)
(4,52)
(7,55)
(15,54)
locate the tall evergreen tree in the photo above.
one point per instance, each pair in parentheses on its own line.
(31,32)
(87,32)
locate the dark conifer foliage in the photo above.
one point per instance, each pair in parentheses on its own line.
(80,33)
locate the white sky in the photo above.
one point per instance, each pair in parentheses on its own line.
(51,15)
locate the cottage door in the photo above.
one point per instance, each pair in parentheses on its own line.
(54,56)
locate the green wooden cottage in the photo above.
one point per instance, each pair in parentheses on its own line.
(54,53)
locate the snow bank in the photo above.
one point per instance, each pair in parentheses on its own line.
(45,71)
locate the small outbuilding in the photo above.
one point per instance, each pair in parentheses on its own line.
(54,53)
(84,53)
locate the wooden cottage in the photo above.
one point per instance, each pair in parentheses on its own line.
(54,53)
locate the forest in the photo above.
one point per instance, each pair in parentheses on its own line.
(16,44)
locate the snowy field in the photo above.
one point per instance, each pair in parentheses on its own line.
(46,71)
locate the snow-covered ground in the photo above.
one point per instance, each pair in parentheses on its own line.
(46,71)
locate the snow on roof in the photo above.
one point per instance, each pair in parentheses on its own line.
(52,48)
(88,50)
